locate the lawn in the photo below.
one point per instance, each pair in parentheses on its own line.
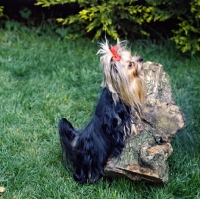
(44,78)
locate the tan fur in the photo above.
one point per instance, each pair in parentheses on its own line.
(124,81)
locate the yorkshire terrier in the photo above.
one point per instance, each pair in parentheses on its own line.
(122,96)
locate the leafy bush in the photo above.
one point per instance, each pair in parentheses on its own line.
(132,17)
(98,17)
(186,14)
(187,36)
(1,11)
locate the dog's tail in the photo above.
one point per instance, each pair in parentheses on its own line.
(67,138)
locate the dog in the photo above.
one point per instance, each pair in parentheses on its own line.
(122,96)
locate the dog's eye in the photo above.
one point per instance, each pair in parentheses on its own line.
(140,59)
(130,64)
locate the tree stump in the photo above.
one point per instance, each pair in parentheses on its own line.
(145,154)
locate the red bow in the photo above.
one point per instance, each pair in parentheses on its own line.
(113,50)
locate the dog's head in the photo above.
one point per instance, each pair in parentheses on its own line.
(123,73)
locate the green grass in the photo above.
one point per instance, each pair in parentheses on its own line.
(43,79)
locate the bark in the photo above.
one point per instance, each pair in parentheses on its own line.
(146,152)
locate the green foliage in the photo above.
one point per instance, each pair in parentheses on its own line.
(1,11)
(25,13)
(186,15)
(47,3)
(111,17)
(125,17)
(187,36)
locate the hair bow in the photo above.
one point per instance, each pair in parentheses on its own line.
(113,50)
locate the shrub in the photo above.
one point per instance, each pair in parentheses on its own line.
(187,36)
(98,17)
(132,17)
(1,11)
(186,14)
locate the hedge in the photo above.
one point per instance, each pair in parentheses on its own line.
(1,11)
(178,19)
(132,17)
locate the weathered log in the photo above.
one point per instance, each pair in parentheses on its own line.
(146,152)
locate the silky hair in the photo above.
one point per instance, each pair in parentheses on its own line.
(116,117)
(129,89)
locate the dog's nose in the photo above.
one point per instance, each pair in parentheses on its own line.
(140,59)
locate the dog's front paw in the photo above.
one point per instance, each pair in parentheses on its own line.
(95,178)
(79,178)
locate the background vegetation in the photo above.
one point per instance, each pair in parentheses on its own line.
(178,20)
(44,78)
(1,11)
(129,18)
